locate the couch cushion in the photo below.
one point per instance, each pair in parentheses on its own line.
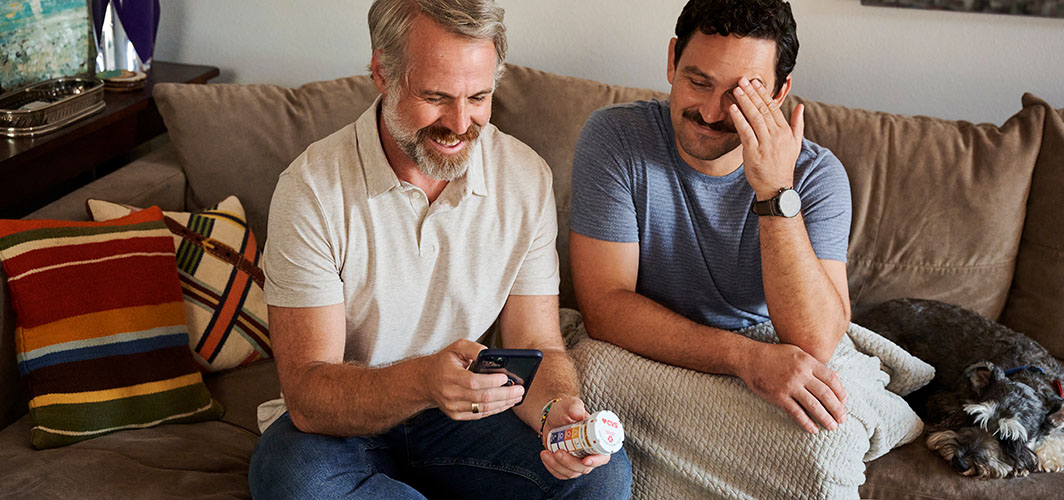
(913,471)
(1036,302)
(236,139)
(547,112)
(938,205)
(243,389)
(179,461)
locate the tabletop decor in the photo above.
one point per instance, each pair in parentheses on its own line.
(43,39)
(125,33)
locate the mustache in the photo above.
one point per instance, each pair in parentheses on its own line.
(719,126)
(444,134)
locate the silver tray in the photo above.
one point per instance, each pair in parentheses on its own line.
(49,105)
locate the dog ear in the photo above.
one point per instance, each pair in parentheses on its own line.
(981,374)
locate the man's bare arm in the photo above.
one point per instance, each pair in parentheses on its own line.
(808,299)
(531,322)
(604,274)
(326,396)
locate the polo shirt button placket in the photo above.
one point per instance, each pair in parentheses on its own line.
(428,249)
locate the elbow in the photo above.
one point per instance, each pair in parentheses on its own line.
(593,332)
(823,352)
(595,327)
(301,421)
(825,344)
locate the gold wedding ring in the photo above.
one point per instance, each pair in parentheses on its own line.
(476,408)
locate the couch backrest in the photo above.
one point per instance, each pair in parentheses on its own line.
(547,112)
(236,139)
(266,126)
(938,205)
(1036,301)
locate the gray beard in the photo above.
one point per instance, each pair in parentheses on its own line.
(430,163)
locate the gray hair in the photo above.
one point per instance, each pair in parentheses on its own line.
(390,20)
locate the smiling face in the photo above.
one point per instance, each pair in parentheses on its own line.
(702,80)
(434,116)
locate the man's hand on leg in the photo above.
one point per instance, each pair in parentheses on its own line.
(805,388)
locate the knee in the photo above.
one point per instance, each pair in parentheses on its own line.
(288,463)
(610,481)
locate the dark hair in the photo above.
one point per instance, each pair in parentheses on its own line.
(761,19)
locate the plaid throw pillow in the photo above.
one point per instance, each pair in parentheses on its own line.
(101,336)
(218,261)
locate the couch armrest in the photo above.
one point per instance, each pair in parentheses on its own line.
(154,179)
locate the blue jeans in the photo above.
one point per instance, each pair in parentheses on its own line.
(429,456)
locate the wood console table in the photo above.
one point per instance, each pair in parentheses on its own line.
(35,171)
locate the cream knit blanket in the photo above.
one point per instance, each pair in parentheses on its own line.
(694,435)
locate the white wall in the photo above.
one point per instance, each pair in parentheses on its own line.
(947,64)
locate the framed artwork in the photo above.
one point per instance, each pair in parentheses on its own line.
(1043,8)
(43,39)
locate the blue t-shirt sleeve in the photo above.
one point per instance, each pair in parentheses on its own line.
(826,206)
(603,206)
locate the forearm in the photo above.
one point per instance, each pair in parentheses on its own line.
(350,400)
(804,305)
(556,378)
(640,325)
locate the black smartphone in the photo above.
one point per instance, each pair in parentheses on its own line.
(519,365)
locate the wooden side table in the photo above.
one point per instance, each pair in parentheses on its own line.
(35,171)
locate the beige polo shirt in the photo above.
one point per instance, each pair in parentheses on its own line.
(414,277)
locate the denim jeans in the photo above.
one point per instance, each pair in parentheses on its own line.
(429,456)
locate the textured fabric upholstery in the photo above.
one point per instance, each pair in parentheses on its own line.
(914,472)
(1036,302)
(154,179)
(938,206)
(236,139)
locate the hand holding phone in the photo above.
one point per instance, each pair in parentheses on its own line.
(519,365)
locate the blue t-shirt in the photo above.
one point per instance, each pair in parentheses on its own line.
(699,249)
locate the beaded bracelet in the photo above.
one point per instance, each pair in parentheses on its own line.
(543,416)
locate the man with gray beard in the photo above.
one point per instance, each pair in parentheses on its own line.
(395,244)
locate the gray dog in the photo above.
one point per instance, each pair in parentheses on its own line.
(994,408)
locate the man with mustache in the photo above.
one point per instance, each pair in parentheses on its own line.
(394,245)
(709,212)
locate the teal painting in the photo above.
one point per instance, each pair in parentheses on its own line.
(42,39)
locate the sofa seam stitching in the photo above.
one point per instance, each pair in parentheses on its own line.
(933,266)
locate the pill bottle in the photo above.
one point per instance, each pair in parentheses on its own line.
(599,434)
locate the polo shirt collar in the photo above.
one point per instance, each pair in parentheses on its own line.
(380,178)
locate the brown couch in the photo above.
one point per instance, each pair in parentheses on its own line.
(946,210)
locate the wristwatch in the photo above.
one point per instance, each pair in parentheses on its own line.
(786,203)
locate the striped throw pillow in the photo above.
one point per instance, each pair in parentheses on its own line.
(101,338)
(218,261)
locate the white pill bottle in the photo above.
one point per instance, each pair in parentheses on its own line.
(599,434)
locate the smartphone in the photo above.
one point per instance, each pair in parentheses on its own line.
(519,365)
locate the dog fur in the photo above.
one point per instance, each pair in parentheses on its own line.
(984,422)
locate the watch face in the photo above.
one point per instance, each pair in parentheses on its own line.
(790,203)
